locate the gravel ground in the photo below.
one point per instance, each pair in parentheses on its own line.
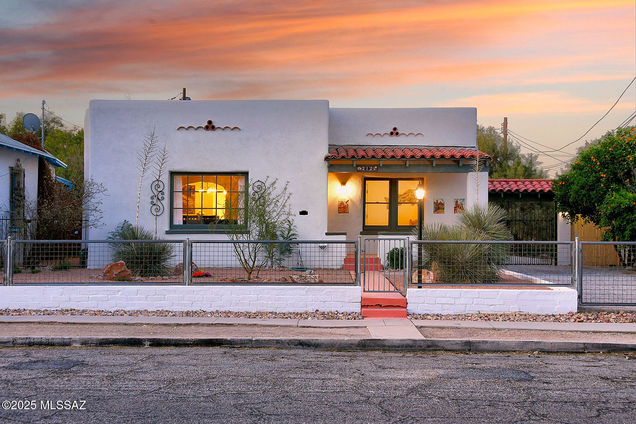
(597,316)
(317,315)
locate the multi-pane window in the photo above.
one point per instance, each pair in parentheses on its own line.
(205,200)
(390,204)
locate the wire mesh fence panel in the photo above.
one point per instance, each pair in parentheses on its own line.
(298,261)
(384,265)
(491,262)
(608,273)
(3,260)
(72,261)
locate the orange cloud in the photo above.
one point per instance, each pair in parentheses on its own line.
(532,103)
(268,48)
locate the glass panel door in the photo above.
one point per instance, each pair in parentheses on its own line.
(407,203)
(376,206)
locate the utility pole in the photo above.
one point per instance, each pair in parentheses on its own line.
(43,103)
(505,134)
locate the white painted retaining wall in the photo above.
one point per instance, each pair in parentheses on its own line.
(556,300)
(182,298)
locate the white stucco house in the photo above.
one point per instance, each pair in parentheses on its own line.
(351,172)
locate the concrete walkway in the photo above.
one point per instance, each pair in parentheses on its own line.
(393,334)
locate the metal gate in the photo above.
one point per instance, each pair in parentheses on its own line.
(607,273)
(384,264)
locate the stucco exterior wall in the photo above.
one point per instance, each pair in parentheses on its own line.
(287,140)
(439,186)
(439,126)
(30,165)
(282,139)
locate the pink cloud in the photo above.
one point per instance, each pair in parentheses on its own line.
(272,48)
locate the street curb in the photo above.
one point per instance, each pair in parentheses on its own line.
(406,345)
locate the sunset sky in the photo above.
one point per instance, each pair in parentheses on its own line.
(552,67)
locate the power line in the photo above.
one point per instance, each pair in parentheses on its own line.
(627,120)
(552,150)
(534,149)
(601,118)
(62,119)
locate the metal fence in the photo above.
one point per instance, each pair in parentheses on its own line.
(607,273)
(604,273)
(178,262)
(73,261)
(275,261)
(452,262)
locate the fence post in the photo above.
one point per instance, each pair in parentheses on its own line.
(408,253)
(8,262)
(357,259)
(578,267)
(187,262)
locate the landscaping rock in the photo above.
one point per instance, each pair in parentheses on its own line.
(308,276)
(116,271)
(178,270)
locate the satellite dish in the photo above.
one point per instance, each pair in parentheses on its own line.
(31,122)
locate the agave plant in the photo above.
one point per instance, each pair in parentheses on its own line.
(467,262)
(142,259)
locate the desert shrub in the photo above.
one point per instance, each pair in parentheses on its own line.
(395,258)
(467,262)
(142,259)
(62,266)
(266,216)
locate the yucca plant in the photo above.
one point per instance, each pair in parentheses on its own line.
(467,262)
(142,259)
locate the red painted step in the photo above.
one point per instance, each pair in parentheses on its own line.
(382,313)
(383,300)
(371,262)
(383,305)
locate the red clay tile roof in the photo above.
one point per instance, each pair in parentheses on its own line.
(402,152)
(510,185)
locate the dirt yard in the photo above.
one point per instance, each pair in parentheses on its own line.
(217,275)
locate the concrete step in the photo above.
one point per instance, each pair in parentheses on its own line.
(383,300)
(383,313)
(370,262)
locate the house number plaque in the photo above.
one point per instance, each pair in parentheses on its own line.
(367,168)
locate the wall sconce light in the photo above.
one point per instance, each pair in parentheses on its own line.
(343,191)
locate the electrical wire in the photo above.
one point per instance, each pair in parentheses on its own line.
(534,149)
(601,118)
(62,119)
(531,141)
(627,120)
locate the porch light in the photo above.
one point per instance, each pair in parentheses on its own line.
(343,191)
(419,191)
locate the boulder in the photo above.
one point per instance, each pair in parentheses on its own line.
(178,270)
(308,276)
(116,271)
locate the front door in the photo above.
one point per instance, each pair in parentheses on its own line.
(390,205)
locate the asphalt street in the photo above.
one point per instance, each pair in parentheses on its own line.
(62,385)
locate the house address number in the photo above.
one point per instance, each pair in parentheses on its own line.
(367,168)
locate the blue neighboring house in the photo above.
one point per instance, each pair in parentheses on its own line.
(21,171)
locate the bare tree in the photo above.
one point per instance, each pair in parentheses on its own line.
(266,216)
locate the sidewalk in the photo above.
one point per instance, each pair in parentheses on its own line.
(395,334)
